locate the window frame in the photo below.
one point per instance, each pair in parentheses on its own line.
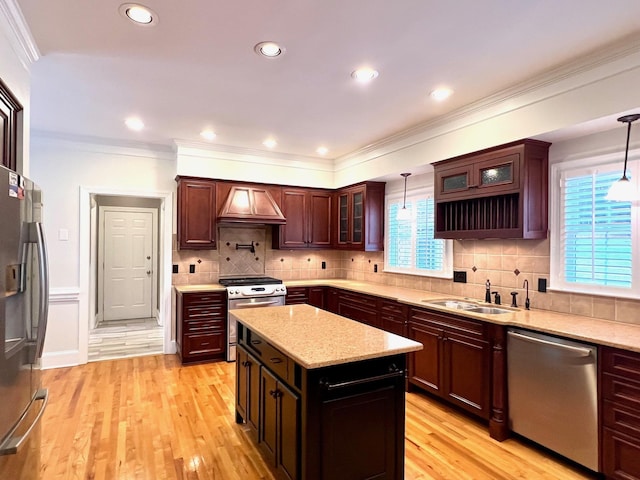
(447,260)
(588,166)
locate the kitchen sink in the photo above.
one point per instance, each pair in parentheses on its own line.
(467,306)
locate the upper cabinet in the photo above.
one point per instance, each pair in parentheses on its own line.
(308,214)
(196,213)
(495,193)
(359,217)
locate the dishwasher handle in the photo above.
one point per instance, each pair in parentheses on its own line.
(580,351)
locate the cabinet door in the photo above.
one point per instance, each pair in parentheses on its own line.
(357,218)
(425,365)
(248,389)
(267,433)
(353,446)
(453,180)
(288,431)
(332,300)
(320,233)
(500,174)
(294,234)
(343,219)
(466,370)
(196,214)
(316,296)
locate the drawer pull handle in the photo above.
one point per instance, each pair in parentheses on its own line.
(204,344)
(275,393)
(327,385)
(246,363)
(256,342)
(275,360)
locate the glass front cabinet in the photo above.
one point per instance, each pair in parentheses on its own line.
(360,213)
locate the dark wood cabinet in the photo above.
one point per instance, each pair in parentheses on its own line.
(359,217)
(394,316)
(279,430)
(201,325)
(297,295)
(455,362)
(359,307)
(308,214)
(499,192)
(196,214)
(339,421)
(247,388)
(620,413)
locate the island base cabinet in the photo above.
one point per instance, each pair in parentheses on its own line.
(346,422)
(247,388)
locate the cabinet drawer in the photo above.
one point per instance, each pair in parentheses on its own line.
(204,326)
(620,390)
(389,307)
(621,362)
(621,418)
(271,357)
(201,312)
(203,344)
(454,324)
(204,297)
(621,455)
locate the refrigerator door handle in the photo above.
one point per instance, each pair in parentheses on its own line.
(13,444)
(43,273)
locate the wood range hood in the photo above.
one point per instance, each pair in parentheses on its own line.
(250,204)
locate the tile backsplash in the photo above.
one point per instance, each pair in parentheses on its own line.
(506,263)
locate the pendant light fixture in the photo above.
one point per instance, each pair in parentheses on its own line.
(623,190)
(404,213)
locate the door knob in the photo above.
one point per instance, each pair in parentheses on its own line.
(148,257)
(148,272)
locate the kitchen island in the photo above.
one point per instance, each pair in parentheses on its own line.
(322,395)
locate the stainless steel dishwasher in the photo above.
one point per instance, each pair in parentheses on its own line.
(553,393)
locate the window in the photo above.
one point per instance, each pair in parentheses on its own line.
(409,244)
(596,246)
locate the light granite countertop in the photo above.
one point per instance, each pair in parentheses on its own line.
(315,338)
(592,330)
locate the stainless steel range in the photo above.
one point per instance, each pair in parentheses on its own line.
(249,292)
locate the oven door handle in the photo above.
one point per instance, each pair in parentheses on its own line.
(256,304)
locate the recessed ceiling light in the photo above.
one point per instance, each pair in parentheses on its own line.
(270,143)
(138,14)
(364,75)
(134,123)
(208,134)
(268,49)
(322,150)
(440,94)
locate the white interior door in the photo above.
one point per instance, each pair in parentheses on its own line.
(128,261)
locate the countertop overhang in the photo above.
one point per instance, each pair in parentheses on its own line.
(315,338)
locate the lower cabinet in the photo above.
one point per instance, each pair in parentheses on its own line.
(201,325)
(336,422)
(455,361)
(357,306)
(620,413)
(314,296)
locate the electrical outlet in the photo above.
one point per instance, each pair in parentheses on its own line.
(375,268)
(460,277)
(324,265)
(192,268)
(542,285)
(175,269)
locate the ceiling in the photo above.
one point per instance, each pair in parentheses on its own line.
(197,67)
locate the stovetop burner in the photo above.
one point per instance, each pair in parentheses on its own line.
(243,281)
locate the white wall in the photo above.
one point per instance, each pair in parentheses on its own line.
(68,172)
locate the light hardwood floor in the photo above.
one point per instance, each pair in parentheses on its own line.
(150,418)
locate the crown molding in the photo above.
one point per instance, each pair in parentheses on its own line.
(105,145)
(205,150)
(500,102)
(19,33)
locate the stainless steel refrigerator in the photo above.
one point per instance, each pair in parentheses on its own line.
(24,293)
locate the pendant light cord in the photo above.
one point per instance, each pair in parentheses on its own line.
(626,152)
